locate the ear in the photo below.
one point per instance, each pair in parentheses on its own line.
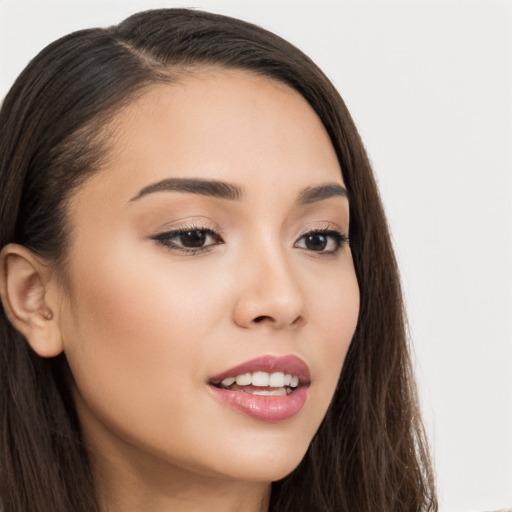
(24,282)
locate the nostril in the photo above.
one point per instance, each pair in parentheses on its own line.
(267,318)
(261,318)
(298,321)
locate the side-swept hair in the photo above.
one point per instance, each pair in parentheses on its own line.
(370,453)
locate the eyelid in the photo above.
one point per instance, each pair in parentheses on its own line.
(324,227)
(188,223)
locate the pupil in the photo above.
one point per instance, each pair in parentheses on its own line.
(194,238)
(316,242)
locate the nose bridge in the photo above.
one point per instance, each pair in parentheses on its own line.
(269,289)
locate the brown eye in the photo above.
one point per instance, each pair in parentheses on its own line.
(327,242)
(316,242)
(195,238)
(189,240)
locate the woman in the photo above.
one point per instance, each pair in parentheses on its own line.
(187,326)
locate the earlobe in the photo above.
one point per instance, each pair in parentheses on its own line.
(23,289)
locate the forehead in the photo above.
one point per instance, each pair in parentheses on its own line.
(228,125)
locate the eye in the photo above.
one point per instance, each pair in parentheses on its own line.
(190,240)
(323,241)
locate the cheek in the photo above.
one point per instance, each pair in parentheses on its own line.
(333,300)
(334,315)
(140,299)
(133,332)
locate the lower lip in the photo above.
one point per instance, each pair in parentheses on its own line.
(263,408)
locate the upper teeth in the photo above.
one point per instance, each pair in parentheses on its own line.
(263,379)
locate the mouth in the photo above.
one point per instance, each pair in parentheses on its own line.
(267,388)
(261,383)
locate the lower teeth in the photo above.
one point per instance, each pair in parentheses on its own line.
(274,392)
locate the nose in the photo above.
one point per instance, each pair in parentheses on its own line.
(268,293)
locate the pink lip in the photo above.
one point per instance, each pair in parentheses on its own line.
(265,408)
(286,364)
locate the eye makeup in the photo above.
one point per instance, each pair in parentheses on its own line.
(191,239)
(196,238)
(322,240)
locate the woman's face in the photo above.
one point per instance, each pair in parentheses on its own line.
(213,237)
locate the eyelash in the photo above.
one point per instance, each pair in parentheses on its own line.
(338,237)
(167,239)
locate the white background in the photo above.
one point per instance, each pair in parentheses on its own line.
(429,85)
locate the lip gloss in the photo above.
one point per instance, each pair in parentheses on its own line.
(265,408)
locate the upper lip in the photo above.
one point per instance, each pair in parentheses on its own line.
(268,363)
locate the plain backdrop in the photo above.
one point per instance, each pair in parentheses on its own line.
(429,85)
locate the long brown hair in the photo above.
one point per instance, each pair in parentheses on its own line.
(370,453)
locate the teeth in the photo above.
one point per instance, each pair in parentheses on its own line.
(263,379)
(244,380)
(276,380)
(260,379)
(273,392)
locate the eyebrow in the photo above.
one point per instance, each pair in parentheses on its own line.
(212,188)
(223,190)
(314,194)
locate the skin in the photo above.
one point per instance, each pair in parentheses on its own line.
(144,325)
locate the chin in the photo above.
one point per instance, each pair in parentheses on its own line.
(266,460)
